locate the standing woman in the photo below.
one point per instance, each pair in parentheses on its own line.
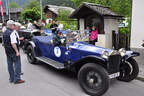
(94,35)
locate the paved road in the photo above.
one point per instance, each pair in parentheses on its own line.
(42,80)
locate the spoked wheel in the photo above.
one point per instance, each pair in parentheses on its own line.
(128,70)
(93,79)
(30,55)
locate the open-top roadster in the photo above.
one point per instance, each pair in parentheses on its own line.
(95,65)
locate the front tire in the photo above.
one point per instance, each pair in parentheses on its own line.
(128,70)
(93,79)
(24,49)
(30,55)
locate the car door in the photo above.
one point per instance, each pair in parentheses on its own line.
(73,54)
(57,53)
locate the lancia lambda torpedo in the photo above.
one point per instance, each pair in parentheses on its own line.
(95,66)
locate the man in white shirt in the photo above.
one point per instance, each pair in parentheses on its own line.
(11,45)
(14,35)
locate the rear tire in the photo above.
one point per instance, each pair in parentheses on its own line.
(128,70)
(30,55)
(93,79)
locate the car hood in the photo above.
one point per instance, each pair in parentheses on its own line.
(88,47)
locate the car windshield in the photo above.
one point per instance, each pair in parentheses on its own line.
(75,36)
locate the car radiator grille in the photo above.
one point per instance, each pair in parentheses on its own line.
(114,63)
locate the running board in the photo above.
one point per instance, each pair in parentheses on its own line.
(51,62)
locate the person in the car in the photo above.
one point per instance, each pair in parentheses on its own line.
(58,39)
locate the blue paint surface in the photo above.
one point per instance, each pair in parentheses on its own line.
(72,52)
(49,32)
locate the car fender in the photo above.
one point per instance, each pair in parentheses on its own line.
(90,59)
(33,46)
(30,43)
(130,54)
(95,57)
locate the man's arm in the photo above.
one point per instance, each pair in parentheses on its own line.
(21,38)
(16,49)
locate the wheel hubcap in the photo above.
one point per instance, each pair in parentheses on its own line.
(93,80)
(30,55)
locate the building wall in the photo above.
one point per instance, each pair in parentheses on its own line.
(137,28)
(109,26)
(101,40)
(82,25)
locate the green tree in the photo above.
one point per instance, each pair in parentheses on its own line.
(14,5)
(63,15)
(32,4)
(66,21)
(29,8)
(31,14)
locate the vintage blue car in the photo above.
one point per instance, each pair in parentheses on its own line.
(94,65)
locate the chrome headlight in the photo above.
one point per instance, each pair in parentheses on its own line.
(105,54)
(122,51)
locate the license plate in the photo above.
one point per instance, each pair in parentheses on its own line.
(114,75)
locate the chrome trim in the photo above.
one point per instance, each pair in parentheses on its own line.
(114,52)
(32,43)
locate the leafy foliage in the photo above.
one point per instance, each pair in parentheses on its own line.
(32,11)
(72,25)
(47,26)
(63,15)
(125,30)
(14,5)
(31,4)
(31,14)
(66,21)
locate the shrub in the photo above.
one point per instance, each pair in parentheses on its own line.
(31,14)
